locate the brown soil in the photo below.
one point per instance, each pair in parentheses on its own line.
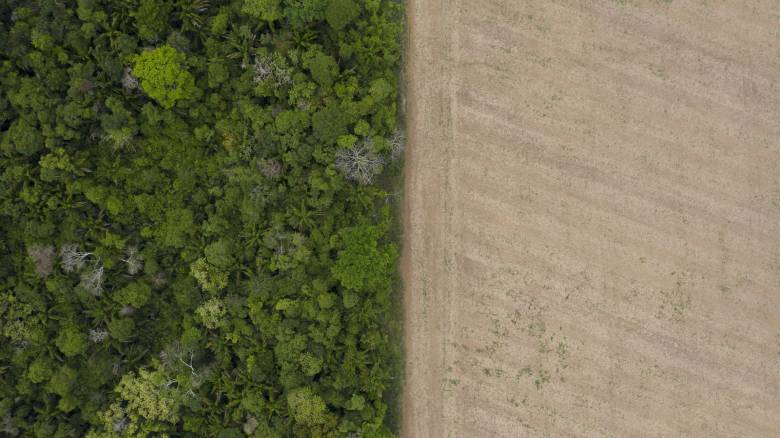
(592,236)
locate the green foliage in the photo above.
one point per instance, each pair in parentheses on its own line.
(310,365)
(20,322)
(71,341)
(363,264)
(23,137)
(356,403)
(151,19)
(62,381)
(40,370)
(176,227)
(211,278)
(163,75)
(148,403)
(340,13)
(220,253)
(212,313)
(148,395)
(268,10)
(181,251)
(330,123)
(306,407)
(121,329)
(323,67)
(135,294)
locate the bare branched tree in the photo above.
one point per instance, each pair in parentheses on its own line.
(279,242)
(177,355)
(129,81)
(359,163)
(250,425)
(119,424)
(177,358)
(9,425)
(119,138)
(92,280)
(133,261)
(98,335)
(159,280)
(269,168)
(173,353)
(71,258)
(43,258)
(397,144)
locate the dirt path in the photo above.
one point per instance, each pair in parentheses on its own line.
(592,230)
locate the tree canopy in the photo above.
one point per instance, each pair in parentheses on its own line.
(163,75)
(195,213)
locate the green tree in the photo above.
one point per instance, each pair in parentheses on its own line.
(211,278)
(118,124)
(40,370)
(164,77)
(151,19)
(62,380)
(71,341)
(220,253)
(122,329)
(149,395)
(212,313)
(322,66)
(135,294)
(340,13)
(330,122)
(362,263)
(306,407)
(268,10)
(23,137)
(302,12)
(310,365)
(176,228)
(149,403)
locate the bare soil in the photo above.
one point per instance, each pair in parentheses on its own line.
(592,230)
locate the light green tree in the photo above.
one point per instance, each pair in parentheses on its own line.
(149,395)
(212,313)
(268,10)
(211,278)
(306,407)
(148,404)
(163,76)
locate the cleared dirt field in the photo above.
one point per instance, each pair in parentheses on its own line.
(593,219)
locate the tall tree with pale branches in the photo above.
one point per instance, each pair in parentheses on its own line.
(359,163)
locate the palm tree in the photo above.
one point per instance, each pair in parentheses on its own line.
(192,15)
(241,44)
(301,217)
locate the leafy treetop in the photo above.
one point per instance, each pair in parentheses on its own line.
(163,75)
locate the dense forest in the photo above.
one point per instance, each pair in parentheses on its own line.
(197,217)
